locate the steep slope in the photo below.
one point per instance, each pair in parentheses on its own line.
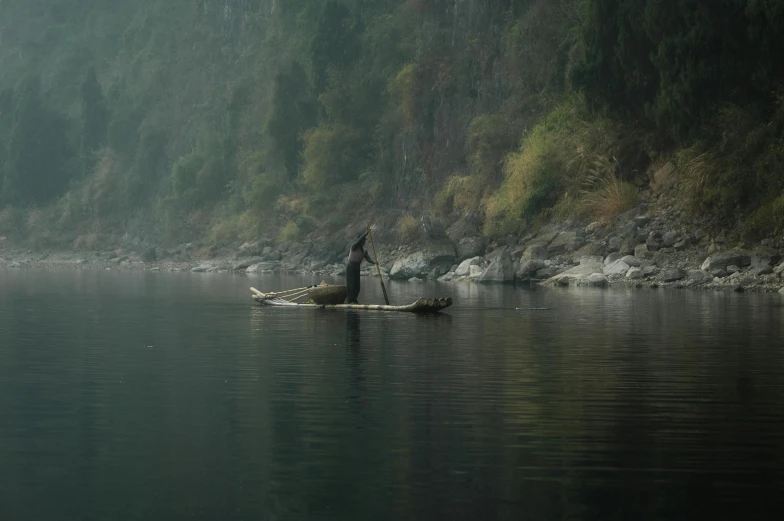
(222,120)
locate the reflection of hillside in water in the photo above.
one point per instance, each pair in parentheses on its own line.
(605,389)
(647,402)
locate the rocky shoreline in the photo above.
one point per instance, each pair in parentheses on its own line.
(641,248)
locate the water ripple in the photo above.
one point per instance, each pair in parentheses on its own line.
(169,396)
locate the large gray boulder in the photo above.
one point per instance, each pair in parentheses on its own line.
(414,265)
(546,273)
(545,239)
(419,264)
(629,215)
(274,256)
(761,270)
(469,247)
(654,241)
(634,273)
(764,256)
(627,247)
(475,272)
(468,225)
(262,267)
(500,270)
(642,252)
(535,251)
(576,273)
(673,274)
(629,230)
(642,220)
(650,270)
(699,276)
(563,243)
(634,262)
(642,236)
(614,256)
(465,267)
(670,238)
(527,269)
(588,259)
(245,263)
(590,249)
(252,248)
(727,258)
(617,268)
(596,279)
(297,254)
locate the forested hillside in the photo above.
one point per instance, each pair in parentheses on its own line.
(223,120)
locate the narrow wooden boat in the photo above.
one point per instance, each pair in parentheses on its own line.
(282,299)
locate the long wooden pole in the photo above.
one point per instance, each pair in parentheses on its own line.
(378,266)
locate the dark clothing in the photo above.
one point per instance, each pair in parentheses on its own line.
(352,281)
(356,255)
(359,243)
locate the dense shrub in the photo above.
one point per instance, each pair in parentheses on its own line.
(737,165)
(200,178)
(333,154)
(573,154)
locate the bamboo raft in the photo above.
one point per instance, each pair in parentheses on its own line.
(326,296)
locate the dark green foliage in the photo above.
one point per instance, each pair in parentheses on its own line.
(148,167)
(672,63)
(335,44)
(302,85)
(38,157)
(766,32)
(123,129)
(200,177)
(94,118)
(150,255)
(334,154)
(737,165)
(6,122)
(261,188)
(294,111)
(218,110)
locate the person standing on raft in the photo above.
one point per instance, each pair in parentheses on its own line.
(356,255)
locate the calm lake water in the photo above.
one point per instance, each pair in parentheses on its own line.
(157,396)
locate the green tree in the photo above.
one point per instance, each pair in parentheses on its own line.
(200,177)
(293,112)
(673,63)
(335,43)
(94,118)
(616,68)
(6,121)
(39,156)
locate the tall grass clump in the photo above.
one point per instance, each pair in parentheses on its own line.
(609,197)
(766,220)
(290,232)
(11,221)
(489,138)
(572,155)
(409,228)
(737,165)
(463,193)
